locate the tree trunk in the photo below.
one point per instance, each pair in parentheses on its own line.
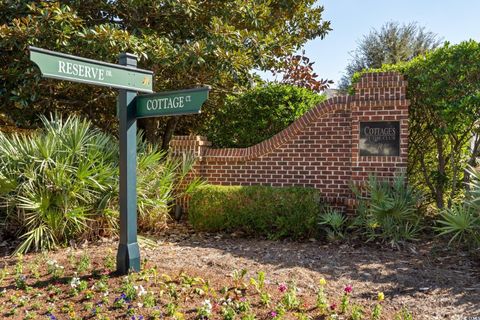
(169,130)
(150,128)
(440,183)
(475,148)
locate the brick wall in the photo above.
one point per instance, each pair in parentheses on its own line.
(320,150)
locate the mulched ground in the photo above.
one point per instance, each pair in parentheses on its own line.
(433,282)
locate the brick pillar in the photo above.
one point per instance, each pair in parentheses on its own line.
(192,145)
(379,97)
(195,145)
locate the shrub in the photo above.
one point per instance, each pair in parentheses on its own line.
(462,221)
(61,183)
(443,88)
(333,222)
(260,113)
(388,211)
(256,210)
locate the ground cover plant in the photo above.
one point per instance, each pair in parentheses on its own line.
(79,287)
(60,183)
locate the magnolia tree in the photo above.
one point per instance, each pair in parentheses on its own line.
(186,43)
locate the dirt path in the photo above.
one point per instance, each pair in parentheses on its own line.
(432,282)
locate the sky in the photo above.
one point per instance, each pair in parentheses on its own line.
(451,20)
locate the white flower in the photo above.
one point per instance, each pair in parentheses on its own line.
(207,305)
(75,282)
(52,262)
(140,290)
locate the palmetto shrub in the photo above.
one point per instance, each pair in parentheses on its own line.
(333,222)
(61,183)
(388,210)
(461,222)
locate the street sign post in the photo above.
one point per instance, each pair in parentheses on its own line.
(77,69)
(171,103)
(128,254)
(129,80)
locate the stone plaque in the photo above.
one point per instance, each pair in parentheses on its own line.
(380,138)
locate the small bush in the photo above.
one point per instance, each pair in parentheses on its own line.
(334,223)
(461,222)
(256,210)
(61,183)
(388,211)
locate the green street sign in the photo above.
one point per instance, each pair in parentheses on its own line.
(67,67)
(171,103)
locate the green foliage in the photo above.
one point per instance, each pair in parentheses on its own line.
(388,211)
(256,210)
(393,43)
(461,222)
(61,183)
(444,91)
(260,113)
(186,43)
(333,222)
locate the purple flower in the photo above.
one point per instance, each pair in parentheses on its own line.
(333,306)
(282,287)
(51,316)
(272,314)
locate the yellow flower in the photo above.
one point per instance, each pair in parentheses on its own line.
(381,296)
(323,282)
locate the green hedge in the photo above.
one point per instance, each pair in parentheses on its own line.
(256,210)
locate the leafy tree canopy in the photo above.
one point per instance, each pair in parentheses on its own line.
(298,70)
(260,113)
(393,43)
(185,42)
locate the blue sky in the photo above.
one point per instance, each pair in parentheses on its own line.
(452,20)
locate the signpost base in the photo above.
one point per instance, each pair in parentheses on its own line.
(128,258)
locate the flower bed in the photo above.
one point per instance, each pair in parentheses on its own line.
(79,288)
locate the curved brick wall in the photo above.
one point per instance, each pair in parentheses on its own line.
(320,150)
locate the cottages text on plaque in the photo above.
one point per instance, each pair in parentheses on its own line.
(380,138)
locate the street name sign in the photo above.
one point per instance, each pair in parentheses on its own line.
(171,103)
(67,67)
(129,80)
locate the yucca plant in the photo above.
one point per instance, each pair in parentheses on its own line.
(61,183)
(388,210)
